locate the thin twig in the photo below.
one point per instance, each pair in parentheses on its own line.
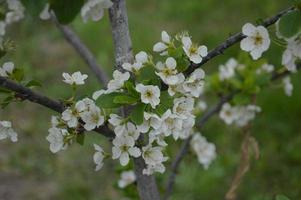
(27,94)
(248,143)
(83,51)
(235,39)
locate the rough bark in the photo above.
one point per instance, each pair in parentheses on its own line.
(147,187)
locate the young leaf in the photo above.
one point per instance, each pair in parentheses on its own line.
(34,8)
(137,114)
(148,76)
(125,99)
(4,91)
(107,100)
(166,102)
(281,197)
(18,74)
(33,83)
(66,10)
(131,89)
(290,24)
(80,139)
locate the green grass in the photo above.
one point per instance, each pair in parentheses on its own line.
(44,55)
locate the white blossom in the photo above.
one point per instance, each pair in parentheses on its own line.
(158,137)
(194,53)
(140,59)
(246,114)
(124,146)
(45,14)
(126,178)
(2,28)
(194,84)
(257,40)
(77,78)
(7,69)
(228,114)
(118,123)
(171,124)
(16,11)
(118,81)
(98,157)
(183,106)
(92,118)
(265,68)
(70,117)
(56,139)
(291,55)
(168,72)
(227,71)
(98,93)
(202,105)
(6,131)
(132,131)
(54,121)
(94,9)
(150,120)
(239,115)
(288,86)
(153,158)
(149,94)
(204,150)
(161,47)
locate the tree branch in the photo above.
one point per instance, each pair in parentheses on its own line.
(185,145)
(83,51)
(147,187)
(27,94)
(233,40)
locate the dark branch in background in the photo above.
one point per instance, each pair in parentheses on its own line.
(27,94)
(233,40)
(185,145)
(146,185)
(83,51)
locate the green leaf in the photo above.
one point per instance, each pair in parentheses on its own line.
(34,8)
(107,100)
(4,91)
(148,76)
(80,139)
(166,102)
(131,89)
(7,101)
(66,10)
(33,83)
(182,64)
(281,197)
(18,74)
(290,24)
(241,99)
(125,99)
(137,115)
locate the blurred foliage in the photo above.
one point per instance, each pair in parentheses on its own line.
(43,54)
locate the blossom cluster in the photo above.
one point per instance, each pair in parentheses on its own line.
(238,115)
(6,131)
(13,13)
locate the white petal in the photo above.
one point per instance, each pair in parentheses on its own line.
(159,47)
(135,152)
(247,44)
(171,63)
(248,29)
(165,37)
(124,158)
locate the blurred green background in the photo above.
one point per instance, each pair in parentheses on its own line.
(28,170)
